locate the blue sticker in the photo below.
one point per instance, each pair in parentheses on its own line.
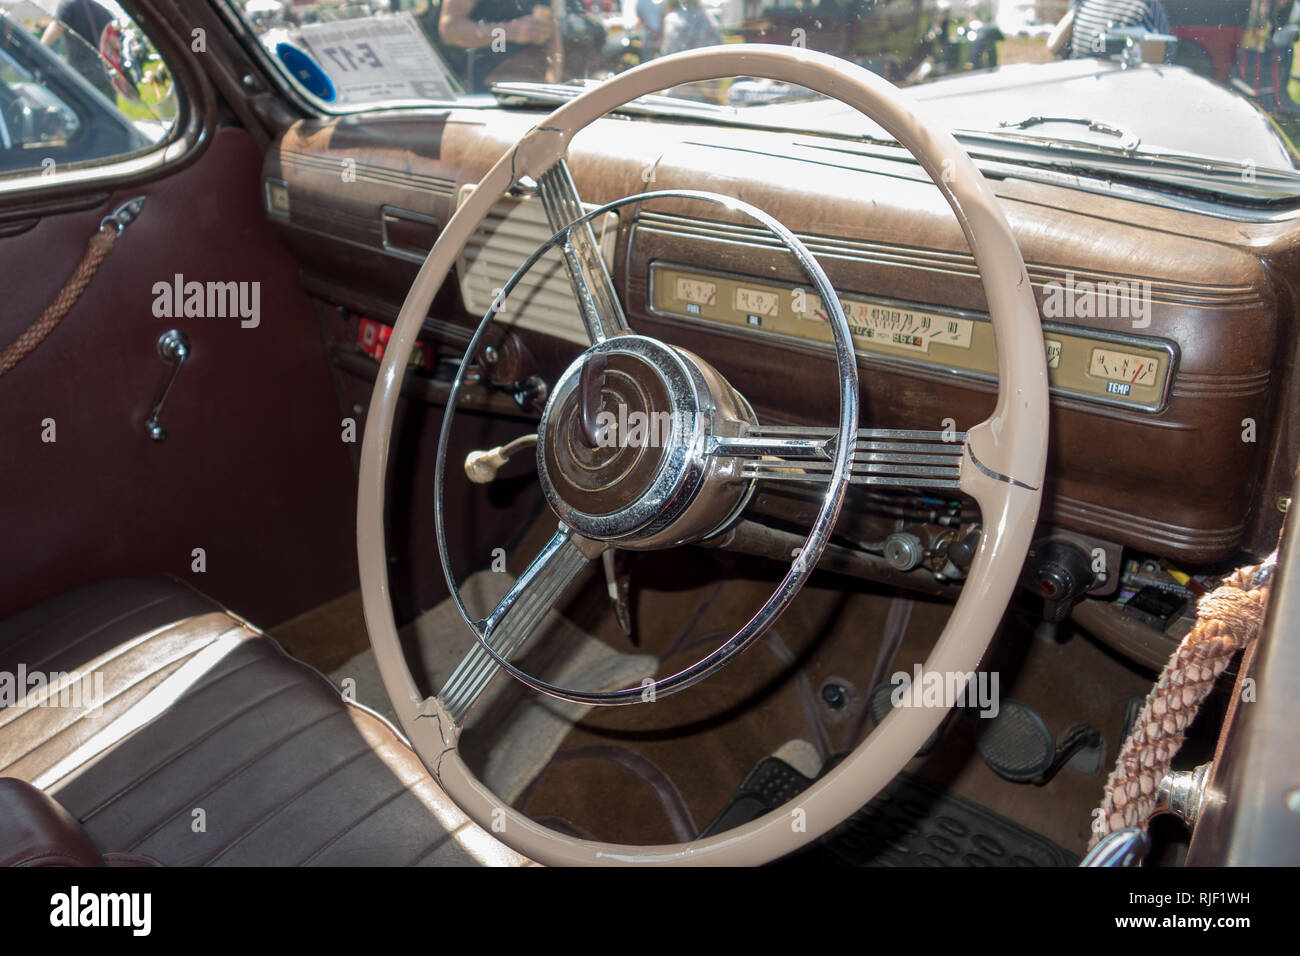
(306,71)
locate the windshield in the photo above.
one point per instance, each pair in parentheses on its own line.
(1203,88)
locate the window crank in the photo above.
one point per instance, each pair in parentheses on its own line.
(174,347)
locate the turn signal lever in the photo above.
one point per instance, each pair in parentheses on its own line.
(481,467)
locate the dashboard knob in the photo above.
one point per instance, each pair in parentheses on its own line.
(1062,574)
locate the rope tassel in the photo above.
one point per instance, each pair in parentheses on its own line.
(1227,620)
(100,245)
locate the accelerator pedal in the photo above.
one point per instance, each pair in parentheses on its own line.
(773,781)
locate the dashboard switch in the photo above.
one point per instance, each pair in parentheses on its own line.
(1062,574)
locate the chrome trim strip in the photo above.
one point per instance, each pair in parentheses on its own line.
(109,173)
(593,287)
(932,260)
(368,172)
(514,620)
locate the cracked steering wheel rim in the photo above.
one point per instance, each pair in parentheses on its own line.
(1002,462)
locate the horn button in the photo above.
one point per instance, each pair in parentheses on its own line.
(634,410)
(641,482)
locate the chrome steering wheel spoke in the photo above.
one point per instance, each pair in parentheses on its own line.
(602,312)
(514,620)
(887,457)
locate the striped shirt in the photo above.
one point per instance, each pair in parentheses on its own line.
(1092,19)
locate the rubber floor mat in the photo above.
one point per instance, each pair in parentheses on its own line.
(914,823)
(909,823)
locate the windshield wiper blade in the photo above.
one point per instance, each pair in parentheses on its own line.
(672,107)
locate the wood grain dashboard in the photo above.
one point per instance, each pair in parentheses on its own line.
(1193,460)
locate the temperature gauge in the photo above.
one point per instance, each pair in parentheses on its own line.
(1123,367)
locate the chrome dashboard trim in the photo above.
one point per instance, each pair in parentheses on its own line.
(960,264)
(369,172)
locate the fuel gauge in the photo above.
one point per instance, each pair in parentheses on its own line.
(696,291)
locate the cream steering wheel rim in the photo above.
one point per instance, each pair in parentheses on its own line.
(1002,463)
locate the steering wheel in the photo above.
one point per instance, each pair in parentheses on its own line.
(715,451)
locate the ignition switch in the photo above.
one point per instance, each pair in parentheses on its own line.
(903,551)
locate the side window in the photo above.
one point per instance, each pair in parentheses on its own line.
(83,85)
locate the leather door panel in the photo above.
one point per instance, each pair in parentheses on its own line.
(253,470)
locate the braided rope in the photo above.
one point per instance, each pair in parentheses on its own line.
(1227,619)
(101,243)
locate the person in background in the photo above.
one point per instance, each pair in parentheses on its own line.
(511,40)
(496,32)
(1085,25)
(688,25)
(650,17)
(87,20)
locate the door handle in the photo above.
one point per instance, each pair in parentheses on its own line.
(173,347)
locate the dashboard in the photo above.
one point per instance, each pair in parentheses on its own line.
(1169,329)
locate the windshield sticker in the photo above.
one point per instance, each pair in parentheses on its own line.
(377,58)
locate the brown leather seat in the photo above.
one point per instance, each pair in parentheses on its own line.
(184,734)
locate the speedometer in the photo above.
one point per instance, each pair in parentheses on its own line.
(907,328)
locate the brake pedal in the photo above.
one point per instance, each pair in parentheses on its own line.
(881,704)
(1018,746)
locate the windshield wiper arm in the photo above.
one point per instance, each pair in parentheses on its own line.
(1131,141)
(1151,158)
(1156,165)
